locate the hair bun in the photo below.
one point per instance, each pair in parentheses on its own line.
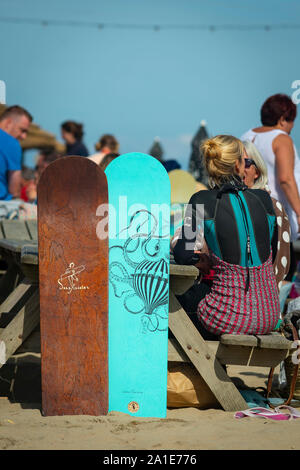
(211,150)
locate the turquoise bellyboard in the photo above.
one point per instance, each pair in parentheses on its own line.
(139,247)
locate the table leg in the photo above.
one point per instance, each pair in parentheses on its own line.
(22,309)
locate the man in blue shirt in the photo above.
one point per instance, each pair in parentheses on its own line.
(14,124)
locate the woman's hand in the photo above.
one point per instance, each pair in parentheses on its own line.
(204,264)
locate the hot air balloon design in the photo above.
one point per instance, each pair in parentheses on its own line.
(148,280)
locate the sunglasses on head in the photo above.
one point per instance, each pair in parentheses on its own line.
(249,162)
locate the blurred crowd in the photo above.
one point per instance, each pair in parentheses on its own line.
(252,211)
(271,144)
(271,139)
(18,182)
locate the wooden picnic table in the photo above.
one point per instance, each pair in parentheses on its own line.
(19,311)
(19,318)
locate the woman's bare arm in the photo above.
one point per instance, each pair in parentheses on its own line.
(285,162)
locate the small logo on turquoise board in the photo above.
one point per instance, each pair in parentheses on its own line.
(133,407)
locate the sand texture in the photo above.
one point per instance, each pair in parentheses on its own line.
(22,425)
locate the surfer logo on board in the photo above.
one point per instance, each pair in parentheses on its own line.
(70,275)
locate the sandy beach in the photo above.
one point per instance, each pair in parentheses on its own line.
(22,426)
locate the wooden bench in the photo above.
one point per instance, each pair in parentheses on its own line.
(243,350)
(19,311)
(22,230)
(21,334)
(208,357)
(18,229)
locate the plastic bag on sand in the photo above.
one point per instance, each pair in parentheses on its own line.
(187,388)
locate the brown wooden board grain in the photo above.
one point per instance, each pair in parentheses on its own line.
(73,279)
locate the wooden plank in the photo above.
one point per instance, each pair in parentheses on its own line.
(32,229)
(270,341)
(19,295)
(30,261)
(248,356)
(32,344)
(239,340)
(15,230)
(233,355)
(9,281)
(1,231)
(176,353)
(274,341)
(19,328)
(183,270)
(29,254)
(180,285)
(11,246)
(182,277)
(204,358)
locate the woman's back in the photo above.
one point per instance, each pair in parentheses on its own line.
(239,228)
(230,219)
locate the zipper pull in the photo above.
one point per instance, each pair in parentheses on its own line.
(248,245)
(249,254)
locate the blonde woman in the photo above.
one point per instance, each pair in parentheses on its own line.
(256,177)
(238,229)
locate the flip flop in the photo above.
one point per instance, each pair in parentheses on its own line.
(276,415)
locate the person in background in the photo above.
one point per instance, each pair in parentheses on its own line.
(109,157)
(256,177)
(28,181)
(72,133)
(28,210)
(171,165)
(44,158)
(107,144)
(14,125)
(236,237)
(275,145)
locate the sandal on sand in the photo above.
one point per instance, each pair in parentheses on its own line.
(275,414)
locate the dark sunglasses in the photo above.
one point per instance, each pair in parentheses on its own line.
(249,162)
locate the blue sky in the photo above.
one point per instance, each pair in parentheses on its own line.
(141,83)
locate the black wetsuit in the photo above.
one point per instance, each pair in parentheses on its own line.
(239,227)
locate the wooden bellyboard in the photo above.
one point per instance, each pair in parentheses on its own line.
(73,279)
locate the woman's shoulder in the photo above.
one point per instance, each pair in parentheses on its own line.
(83,149)
(264,198)
(248,135)
(203,196)
(96,157)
